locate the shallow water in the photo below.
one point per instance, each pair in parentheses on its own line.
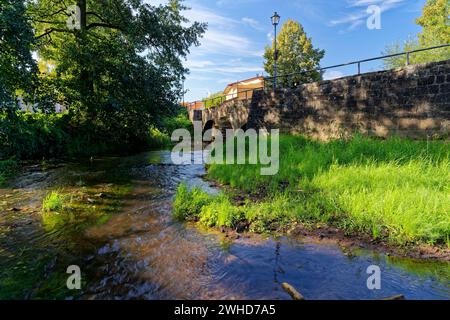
(140,252)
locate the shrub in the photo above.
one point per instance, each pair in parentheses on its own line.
(7,169)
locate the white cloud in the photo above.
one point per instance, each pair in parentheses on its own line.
(252,23)
(226,53)
(227,43)
(198,64)
(332,74)
(230,66)
(357,18)
(214,20)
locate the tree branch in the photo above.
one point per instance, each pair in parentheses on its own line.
(104,25)
(49,31)
(96,15)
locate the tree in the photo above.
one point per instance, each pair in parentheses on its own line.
(213,99)
(119,70)
(435,23)
(295,54)
(17,67)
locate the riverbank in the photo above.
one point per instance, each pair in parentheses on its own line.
(116,225)
(392,194)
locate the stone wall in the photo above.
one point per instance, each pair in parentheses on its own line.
(413,101)
(231,114)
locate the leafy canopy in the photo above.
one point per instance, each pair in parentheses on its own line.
(295,54)
(435,23)
(16,63)
(121,70)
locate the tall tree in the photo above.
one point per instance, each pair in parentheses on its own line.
(118,62)
(435,23)
(17,67)
(295,54)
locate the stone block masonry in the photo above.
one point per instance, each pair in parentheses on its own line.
(413,101)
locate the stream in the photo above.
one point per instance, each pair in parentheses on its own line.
(121,234)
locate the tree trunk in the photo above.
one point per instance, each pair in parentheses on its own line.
(86,80)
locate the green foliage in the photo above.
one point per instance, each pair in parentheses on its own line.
(406,201)
(435,23)
(53,202)
(179,121)
(158,139)
(395,189)
(16,64)
(220,212)
(27,135)
(7,169)
(188,204)
(295,54)
(214,99)
(33,135)
(120,73)
(209,210)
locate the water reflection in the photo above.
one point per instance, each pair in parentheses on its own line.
(141,253)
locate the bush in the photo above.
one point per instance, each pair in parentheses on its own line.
(180,121)
(158,139)
(7,169)
(28,135)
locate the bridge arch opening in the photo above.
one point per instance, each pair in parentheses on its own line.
(208,134)
(208,125)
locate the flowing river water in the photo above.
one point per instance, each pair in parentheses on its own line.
(135,250)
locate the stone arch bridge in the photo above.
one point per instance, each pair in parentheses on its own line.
(413,101)
(232,114)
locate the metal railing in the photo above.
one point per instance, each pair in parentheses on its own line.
(292,80)
(268,81)
(239,95)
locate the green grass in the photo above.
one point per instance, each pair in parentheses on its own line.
(393,189)
(73,212)
(53,202)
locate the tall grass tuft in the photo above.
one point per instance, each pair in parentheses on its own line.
(53,202)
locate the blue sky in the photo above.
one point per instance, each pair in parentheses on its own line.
(238,31)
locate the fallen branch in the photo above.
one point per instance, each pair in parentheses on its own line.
(292,291)
(396,297)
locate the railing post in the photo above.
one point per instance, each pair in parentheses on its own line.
(359,68)
(407,58)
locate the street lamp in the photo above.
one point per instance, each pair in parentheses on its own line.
(275,20)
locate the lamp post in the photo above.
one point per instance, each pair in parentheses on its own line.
(275,20)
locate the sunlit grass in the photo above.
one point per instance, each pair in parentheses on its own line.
(79,209)
(54,202)
(392,189)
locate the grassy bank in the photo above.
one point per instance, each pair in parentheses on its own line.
(394,189)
